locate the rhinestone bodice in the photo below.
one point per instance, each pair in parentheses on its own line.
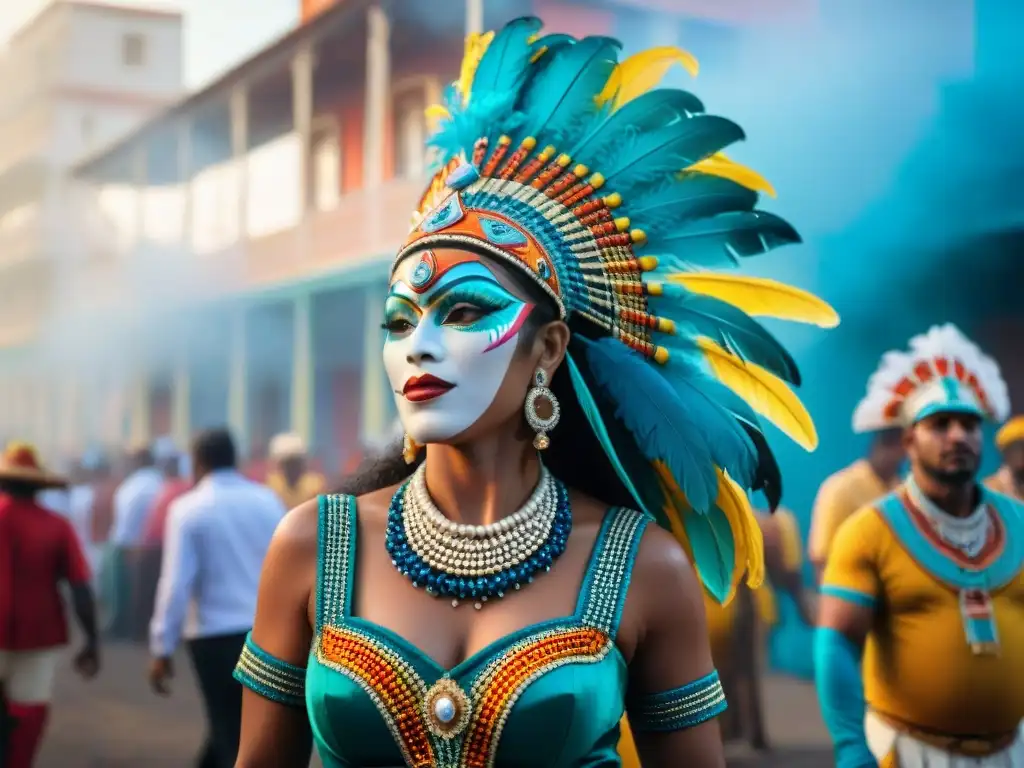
(551,694)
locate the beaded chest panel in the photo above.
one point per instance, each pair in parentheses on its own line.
(444,726)
(457,723)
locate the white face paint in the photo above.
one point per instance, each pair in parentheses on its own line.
(449,345)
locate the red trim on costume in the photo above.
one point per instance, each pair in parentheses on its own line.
(994,545)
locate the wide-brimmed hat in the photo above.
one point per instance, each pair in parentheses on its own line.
(20,462)
(287,446)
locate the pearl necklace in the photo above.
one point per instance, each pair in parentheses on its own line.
(476,562)
(968,534)
(477,550)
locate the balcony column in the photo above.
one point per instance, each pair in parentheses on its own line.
(140,174)
(70,415)
(238,382)
(239,110)
(376,391)
(302,368)
(42,415)
(181,403)
(140,423)
(378,95)
(185,179)
(474,17)
(302,118)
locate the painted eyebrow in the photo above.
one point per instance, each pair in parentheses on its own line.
(444,290)
(404,300)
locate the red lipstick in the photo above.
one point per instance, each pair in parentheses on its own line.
(420,389)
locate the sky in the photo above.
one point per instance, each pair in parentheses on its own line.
(218,33)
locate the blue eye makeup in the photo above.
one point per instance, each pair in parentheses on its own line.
(478,299)
(399,314)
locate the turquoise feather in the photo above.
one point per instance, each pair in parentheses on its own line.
(593,414)
(505,64)
(729,327)
(651,156)
(720,240)
(714,550)
(696,196)
(561,98)
(648,111)
(664,428)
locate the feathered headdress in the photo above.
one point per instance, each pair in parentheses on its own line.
(561,161)
(943,371)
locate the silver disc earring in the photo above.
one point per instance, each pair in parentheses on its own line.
(538,393)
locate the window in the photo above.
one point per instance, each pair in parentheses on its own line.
(410,131)
(133,49)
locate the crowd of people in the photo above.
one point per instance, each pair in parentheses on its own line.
(171,549)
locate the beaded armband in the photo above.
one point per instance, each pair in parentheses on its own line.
(270,677)
(679,708)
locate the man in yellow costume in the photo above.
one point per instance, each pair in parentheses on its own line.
(849,489)
(1009,480)
(919,651)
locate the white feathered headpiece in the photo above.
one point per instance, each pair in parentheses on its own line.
(943,371)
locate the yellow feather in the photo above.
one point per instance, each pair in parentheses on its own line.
(745,531)
(720,165)
(435,113)
(764,392)
(476,46)
(643,71)
(761,297)
(746,534)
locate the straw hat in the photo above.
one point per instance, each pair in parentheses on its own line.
(20,462)
(287,446)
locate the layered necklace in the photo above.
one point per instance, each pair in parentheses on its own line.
(968,534)
(476,562)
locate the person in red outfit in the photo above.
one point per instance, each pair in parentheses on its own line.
(38,551)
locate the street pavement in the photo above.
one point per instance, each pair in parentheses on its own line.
(116,722)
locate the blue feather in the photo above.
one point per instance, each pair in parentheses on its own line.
(649,111)
(696,196)
(561,97)
(670,149)
(504,64)
(714,550)
(593,414)
(721,240)
(726,325)
(664,427)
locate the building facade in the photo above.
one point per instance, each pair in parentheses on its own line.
(76,77)
(226,260)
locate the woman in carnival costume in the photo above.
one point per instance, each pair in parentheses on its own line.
(559,360)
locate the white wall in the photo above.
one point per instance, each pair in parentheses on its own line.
(93,54)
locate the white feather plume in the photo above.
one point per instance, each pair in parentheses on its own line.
(939,342)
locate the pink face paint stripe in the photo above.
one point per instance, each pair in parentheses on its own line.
(514,328)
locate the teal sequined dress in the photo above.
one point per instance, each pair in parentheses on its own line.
(550,695)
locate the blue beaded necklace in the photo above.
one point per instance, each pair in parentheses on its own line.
(476,588)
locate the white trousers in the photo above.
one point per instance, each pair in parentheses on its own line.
(884,740)
(28,676)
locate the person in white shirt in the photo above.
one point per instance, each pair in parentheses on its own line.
(216,538)
(132,502)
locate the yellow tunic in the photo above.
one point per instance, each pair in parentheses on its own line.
(840,496)
(310,485)
(918,666)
